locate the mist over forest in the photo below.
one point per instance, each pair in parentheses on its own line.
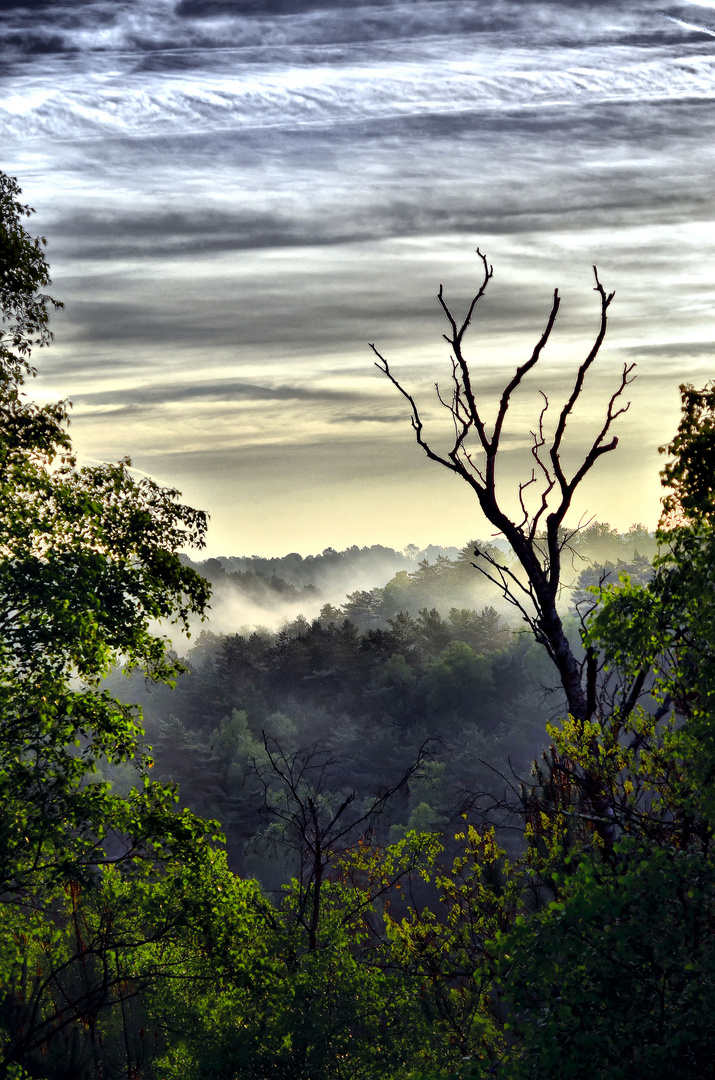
(364,656)
(368,585)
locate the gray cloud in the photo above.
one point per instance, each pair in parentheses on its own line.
(673,349)
(280,23)
(35,42)
(182,35)
(433,176)
(29,8)
(229,390)
(239,196)
(369,418)
(209,8)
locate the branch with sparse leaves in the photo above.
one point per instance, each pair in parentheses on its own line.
(316,822)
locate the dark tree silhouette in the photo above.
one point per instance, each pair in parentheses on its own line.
(319,825)
(539,537)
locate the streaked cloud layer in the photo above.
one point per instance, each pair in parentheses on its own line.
(239,195)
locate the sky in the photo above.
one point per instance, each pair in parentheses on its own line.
(239,195)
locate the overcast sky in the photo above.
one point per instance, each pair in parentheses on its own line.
(240,194)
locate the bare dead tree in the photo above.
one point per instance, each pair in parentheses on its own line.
(539,537)
(316,824)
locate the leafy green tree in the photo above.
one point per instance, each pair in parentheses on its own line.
(461,679)
(265,1004)
(303,987)
(615,972)
(446,947)
(89,561)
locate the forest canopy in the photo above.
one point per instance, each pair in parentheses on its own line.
(395,891)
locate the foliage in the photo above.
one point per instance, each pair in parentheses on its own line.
(614,973)
(446,945)
(689,475)
(23,273)
(89,560)
(282,1008)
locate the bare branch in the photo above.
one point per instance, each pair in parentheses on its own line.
(415,416)
(505,582)
(456,343)
(519,375)
(297,793)
(578,384)
(539,442)
(540,557)
(523,485)
(598,447)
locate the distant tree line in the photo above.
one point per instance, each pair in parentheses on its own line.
(417,583)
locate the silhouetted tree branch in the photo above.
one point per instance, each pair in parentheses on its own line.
(539,537)
(316,821)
